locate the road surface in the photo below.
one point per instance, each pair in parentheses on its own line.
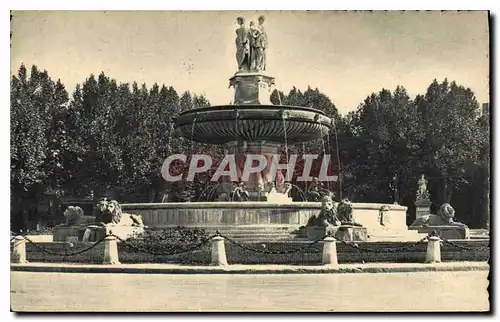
(423,291)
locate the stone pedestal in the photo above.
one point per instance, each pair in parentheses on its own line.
(433,254)
(423,208)
(330,252)
(257,184)
(93,233)
(218,252)
(351,233)
(448,232)
(316,232)
(251,88)
(61,233)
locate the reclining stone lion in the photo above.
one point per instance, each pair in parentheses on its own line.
(110,212)
(444,217)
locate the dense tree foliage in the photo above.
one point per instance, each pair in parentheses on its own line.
(111,138)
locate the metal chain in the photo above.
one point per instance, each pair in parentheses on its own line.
(276,252)
(65,254)
(174,252)
(387,250)
(449,242)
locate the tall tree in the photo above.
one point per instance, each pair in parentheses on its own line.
(38,139)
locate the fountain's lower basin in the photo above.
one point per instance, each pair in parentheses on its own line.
(259,219)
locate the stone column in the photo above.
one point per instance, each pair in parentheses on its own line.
(330,251)
(110,251)
(18,255)
(218,252)
(433,254)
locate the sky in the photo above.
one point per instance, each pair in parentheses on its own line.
(347,55)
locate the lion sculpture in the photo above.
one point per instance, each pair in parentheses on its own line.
(109,211)
(344,212)
(444,217)
(73,215)
(327,216)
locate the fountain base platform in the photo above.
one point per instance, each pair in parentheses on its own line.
(264,221)
(448,232)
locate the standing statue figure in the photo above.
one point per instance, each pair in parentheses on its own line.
(264,42)
(242,46)
(256,48)
(422,193)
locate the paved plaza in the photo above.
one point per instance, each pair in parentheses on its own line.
(422,291)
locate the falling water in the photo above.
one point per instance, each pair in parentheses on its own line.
(169,143)
(86,235)
(328,185)
(192,134)
(286,143)
(210,194)
(279,97)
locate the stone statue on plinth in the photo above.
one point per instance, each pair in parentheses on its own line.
(251,44)
(422,192)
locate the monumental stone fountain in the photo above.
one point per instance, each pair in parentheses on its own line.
(252,125)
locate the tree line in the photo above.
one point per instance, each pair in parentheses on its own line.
(113,137)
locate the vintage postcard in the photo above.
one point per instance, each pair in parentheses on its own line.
(250,161)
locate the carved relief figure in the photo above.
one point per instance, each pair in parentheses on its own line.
(242,46)
(381,214)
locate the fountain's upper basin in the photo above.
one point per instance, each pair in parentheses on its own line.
(271,123)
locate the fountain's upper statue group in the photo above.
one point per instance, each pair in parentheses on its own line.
(251,45)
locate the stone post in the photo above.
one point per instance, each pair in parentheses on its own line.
(218,252)
(110,251)
(330,251)
(18,255)
(433,254)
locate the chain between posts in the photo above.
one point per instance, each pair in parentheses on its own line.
(389,250)
(65,254)
(464,248)
(275,252)
(173,252)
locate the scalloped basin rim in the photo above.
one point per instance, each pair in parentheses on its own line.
(252,107)
(252,204)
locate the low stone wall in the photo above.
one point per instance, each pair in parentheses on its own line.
(218,215)
(374,252)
